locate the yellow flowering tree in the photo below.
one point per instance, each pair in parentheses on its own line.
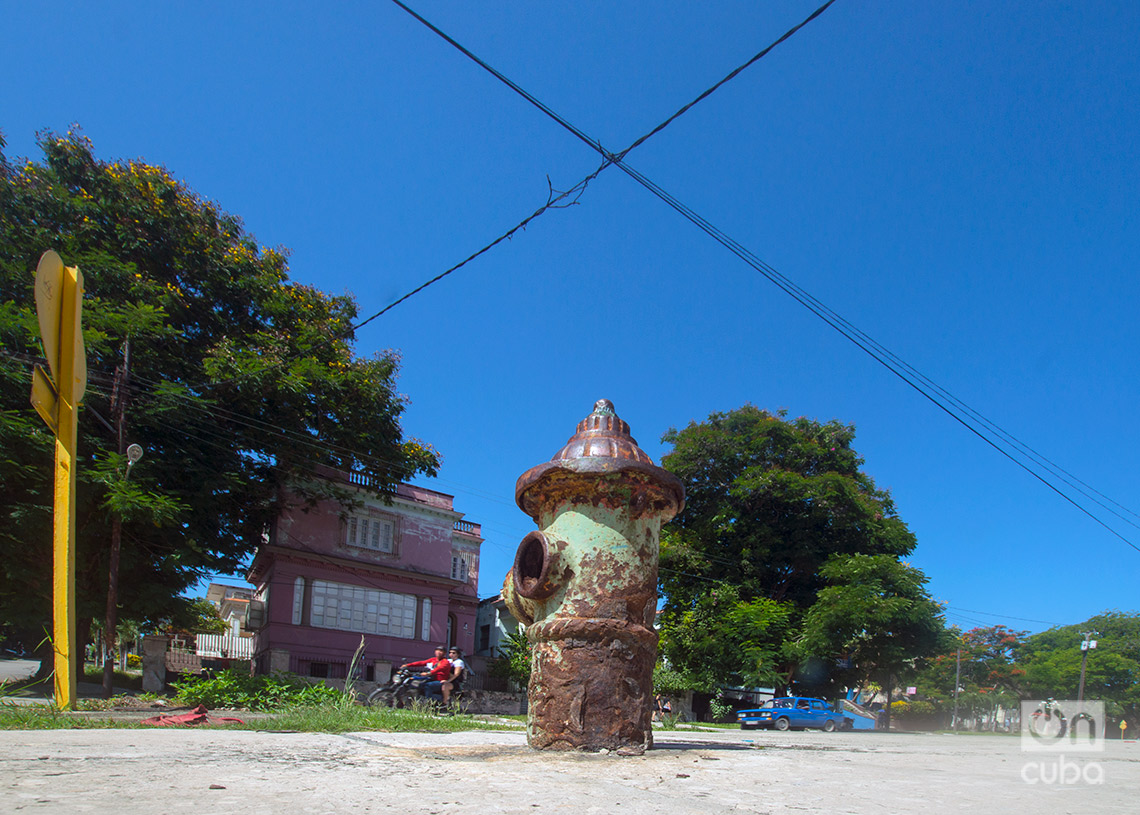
(241,381)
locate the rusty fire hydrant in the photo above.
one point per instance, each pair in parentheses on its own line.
(585,587)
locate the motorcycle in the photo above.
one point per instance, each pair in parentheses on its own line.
(1049,720)
(405,686)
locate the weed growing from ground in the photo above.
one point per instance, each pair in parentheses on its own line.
(233,689)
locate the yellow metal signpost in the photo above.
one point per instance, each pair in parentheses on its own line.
(59,301)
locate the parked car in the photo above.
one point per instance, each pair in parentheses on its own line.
(791,712)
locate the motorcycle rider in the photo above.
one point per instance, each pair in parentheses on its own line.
(438,671)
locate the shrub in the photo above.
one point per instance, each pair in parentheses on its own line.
(719,710)
(669,682)
(914,707)
(514,660)
(233,689)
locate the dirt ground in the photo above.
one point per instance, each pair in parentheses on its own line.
(131,772)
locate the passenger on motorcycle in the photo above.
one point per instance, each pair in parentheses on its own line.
(458,674)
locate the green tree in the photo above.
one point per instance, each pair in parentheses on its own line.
(770,502)
(199,616)
(983,662)
(723,640)
(1052,662)
(990,658)
(242,382)
(876,612)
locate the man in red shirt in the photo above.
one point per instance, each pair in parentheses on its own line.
(438,668)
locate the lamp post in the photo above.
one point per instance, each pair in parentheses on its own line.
(1086,646)
(134,453)
(957,686)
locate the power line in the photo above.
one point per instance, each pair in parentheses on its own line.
(211,436)
(876,351)
(555,199)
(222,443)
(1005,616)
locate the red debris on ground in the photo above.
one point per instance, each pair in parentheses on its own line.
(198,715)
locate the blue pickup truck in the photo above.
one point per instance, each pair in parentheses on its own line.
(796,712)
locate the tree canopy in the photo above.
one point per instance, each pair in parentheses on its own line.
(1052,662)
(876,613)
(791,548)
(241,381)
(998,664)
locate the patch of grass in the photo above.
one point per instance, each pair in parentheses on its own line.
(333,717)
(337,718)
(236,690)
(22,687)
(119,679)
(46,717)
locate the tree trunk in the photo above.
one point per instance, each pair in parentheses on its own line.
(887,717)
(82,636)
(112,621)
(46,656)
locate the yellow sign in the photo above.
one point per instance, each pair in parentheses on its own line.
(49,305)
(60,314)
(59,307)
(44,398)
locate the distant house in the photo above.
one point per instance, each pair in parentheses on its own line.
(493,624)
(402,572)
(232,603)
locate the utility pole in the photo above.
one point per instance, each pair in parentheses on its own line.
(957,685)
(1086,646)
(119,396)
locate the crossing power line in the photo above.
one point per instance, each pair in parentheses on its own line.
(989,432)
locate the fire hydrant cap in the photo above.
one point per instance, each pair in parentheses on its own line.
(601,445)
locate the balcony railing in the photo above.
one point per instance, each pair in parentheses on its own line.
(224,646)
(469,528)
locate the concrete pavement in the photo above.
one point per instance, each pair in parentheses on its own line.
(137,772)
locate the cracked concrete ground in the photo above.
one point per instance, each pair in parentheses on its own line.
(131,772)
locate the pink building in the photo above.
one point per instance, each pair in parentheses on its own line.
(403,574)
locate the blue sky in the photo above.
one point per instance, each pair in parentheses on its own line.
(957,180)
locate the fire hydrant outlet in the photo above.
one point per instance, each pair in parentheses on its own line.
(533,565)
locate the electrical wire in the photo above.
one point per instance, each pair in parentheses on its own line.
(1005,616)
(860,339)
(555,199)
(211,436)
(219,439)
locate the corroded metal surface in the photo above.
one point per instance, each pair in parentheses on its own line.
(585,585)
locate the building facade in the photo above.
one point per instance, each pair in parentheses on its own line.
(494,624)
(232,603)
(402,573)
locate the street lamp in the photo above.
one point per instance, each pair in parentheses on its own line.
(134,453)
(1086,646)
